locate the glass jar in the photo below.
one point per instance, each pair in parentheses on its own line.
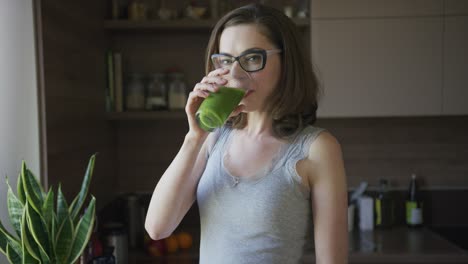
(156,98)
(135,97)
(177,91)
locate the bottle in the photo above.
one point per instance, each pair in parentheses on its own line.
(135,99)
(414,206)
(156,98)
(384,207)
(177,91)
(117,238)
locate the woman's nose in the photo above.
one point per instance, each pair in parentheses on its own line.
(237,72)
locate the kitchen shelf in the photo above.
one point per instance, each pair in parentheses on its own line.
(146,115)
(177,25)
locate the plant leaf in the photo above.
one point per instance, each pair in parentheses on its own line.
(62,207)
(15,210)
(19,184)
(53,235)
(36,184)
(12,255)
(64,240)
(83,231)
(32,190)
(48,210)
(80,198)
(5,239)
(29,247)
(38,230)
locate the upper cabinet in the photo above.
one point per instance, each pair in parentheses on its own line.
(390,58)
(455,92)
(374,9)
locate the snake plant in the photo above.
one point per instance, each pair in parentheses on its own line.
(46,232)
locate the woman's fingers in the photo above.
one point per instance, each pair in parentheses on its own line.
(214,80)
(218,72)
(206,87)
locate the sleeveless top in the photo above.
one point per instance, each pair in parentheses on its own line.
(265,219)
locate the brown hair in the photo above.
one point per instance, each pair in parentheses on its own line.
(293,103)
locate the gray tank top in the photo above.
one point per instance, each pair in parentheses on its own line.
(265,219)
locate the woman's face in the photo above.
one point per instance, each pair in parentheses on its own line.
(258,85)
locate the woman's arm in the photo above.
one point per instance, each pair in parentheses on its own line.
(329,198)
(175,192)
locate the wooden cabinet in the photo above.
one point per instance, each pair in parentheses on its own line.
(391,58)
(378,67)
(455,66)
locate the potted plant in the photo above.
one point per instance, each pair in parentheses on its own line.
(46,232)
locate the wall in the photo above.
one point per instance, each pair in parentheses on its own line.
(19,126)
(74,47)
(435,148)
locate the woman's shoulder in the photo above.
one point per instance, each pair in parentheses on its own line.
(324,146)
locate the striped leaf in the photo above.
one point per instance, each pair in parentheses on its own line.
(13,256)
(83,231)
(5,239)
(19,184)
(32,190)
(15,210)
(81,197)
(64,240)
(62,207)
(54,235)
(29,247)
(38,229)
(48,210)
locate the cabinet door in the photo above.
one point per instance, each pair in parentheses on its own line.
(372,8)
(455,92)
(379,67)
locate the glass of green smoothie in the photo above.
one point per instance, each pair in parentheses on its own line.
(216,108)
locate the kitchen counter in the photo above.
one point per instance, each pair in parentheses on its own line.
(395,245)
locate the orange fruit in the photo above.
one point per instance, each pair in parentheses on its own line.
(157,248)
(172,244)
(185,240)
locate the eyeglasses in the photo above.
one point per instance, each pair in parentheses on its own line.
(251,60)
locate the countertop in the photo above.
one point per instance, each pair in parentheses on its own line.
(395,245)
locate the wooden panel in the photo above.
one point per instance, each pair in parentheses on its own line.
(380,67)
(74,80)
(373,8)
(455,91)
(456,7)
(151,53)
(146,148)
(436,148)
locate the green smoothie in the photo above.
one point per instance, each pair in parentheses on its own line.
(217,107)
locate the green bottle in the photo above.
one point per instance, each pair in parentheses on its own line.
(414,205)
(384,207)
(216,108)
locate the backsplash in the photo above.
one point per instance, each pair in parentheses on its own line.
(436,148)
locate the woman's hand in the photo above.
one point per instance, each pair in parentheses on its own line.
(209,84)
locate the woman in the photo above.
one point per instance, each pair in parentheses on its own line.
(266,177)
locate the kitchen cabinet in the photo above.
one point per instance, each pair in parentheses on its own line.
(391,58)
(323,9)
(379,67)
(455,66)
